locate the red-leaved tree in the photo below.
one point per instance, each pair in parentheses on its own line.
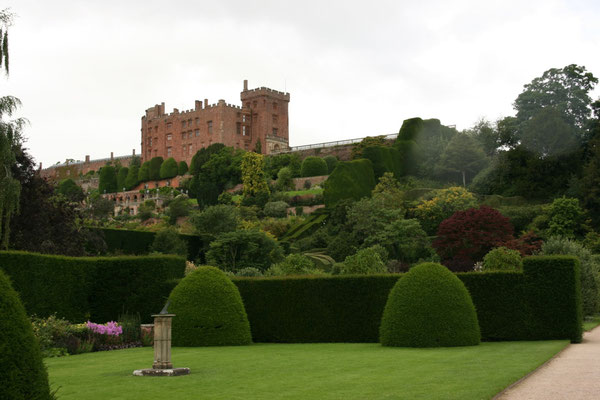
(467,236)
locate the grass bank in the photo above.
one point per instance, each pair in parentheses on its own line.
(304,371)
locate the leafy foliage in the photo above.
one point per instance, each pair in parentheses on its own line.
(349,180)
(331,162)
(276,209)
(284,179)
(232,251)
(445,202)
(182,168)
(429,307)
(467,236)
(218,219)
(369,141)
(71,190)
(168,169)
(167,241)
(154,168)
(178,207)
(502,259)
(463,155)
(144,172)
(365,261)
(253,175)
(565,218)
(108,179)
(121,178)
(313,166)
(209,311)
(293,264)
(23,374)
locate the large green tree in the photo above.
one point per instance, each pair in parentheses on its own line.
(463,156)
(564,89)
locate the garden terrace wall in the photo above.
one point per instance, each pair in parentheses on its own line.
(541,303)
(99,288)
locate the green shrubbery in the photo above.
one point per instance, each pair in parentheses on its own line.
(349,180)
(502,259)
(385,159)
(209,311)
(365,261)
(23,375)
(276,209)
(168,241)
(313,166)
(233,251)
(99,288)
(429,307)
(541,303)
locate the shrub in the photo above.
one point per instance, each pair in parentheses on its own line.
(144,172)
(182,168)
(178,207)
(23,374)
(385,159)
(209,311)
(218,219)
(71,190)
(145,210)
(167,241)
(294,264)
(349,180)
(365,261)
(313,166)
(369,141)
(154,168)
(132,176)
(169,168)
(590,269)
(429,307)
(536,304)
(276,209)
(307,184)
(502,259)
(467,236)
(249,272)
(445,202)
(233,251)
(331,162)
(121,178)
(566,218)
(285,179)
(107,183)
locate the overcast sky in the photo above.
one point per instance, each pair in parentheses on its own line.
(87,70)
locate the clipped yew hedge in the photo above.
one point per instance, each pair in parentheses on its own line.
(349,180)
(542,302)
(23,374)
(99,288)
(139,242)
(209,311)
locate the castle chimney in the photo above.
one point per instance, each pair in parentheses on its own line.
(87,159)
(40,165)
(198,105)
(133,152)
(111,156)
(205,103)
(245,85)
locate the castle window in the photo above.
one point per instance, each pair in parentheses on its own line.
(190,149)
(190,122)
(169,152)
(169,125)
(189,134)
(169,136)
(183,124)
(183,149)
(274,131)
(183,136)
(244,118)
(197,132)
(210,127)
(150,142)
(244,130)
(197,121)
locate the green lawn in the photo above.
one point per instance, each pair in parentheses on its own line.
(304,371)
(590,323)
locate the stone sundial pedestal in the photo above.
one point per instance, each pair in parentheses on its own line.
(162,365)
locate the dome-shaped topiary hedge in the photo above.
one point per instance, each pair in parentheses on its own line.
(208,311)
(22,375)
(429,307)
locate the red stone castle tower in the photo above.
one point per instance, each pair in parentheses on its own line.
(263,117)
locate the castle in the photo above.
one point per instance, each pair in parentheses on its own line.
(262,118)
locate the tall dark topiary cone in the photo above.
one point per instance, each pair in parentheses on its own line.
(22,373)
(429,307)
(208,311)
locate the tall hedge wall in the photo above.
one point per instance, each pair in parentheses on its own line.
(99,288)
(139,242)
(540,303)
(385,159)
(349,180)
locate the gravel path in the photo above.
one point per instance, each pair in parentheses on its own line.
(572,374)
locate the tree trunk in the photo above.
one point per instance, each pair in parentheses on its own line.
(464,181)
